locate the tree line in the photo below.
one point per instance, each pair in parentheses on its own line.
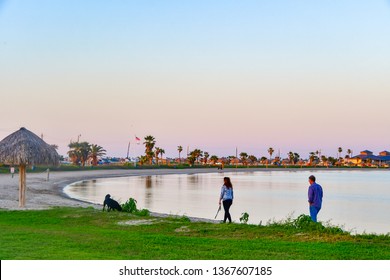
(154,154)
(81,152)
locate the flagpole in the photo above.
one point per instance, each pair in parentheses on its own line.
(128,150)
(135,158)
(135,150)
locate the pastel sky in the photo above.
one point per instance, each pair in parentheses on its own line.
(295,75)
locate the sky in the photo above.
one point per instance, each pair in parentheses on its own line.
(298,76)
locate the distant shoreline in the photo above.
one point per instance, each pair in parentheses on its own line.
(71,168)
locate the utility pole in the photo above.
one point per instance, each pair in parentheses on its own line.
(236,157)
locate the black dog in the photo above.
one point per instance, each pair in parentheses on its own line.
(111,204)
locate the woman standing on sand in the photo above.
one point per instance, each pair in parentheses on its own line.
(227,198)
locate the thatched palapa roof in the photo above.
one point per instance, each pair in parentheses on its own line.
(25,148)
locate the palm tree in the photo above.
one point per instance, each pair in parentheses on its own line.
(253,159)
(162,151)
(191,159)
(142,160)
(85,148)
(214,159)
(229,159)
(79,152)
(205,157)
(339,150)
(325,160)
(150,155)
(243,158)
(312,158)
(291,157)
(263,159)
(332,160)
(296,157)
(339,155)
(95,152)
(149,145)
(180,149)
(197,154)
(270,151)
(349,151)
(156,153)
(73,154)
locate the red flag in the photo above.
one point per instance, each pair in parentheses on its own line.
(137,140)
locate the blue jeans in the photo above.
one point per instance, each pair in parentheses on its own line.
(314,212)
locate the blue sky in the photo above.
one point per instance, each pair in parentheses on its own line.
(294,75)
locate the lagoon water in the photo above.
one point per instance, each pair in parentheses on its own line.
(358,201)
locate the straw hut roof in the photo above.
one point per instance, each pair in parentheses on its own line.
(25,148)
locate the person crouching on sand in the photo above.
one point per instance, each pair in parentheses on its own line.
(227,198)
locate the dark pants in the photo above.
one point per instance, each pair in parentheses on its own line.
(226,205)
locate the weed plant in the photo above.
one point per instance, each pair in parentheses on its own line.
(130,206)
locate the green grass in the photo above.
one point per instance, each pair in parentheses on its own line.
(86,233)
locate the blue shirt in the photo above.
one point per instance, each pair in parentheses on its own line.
(226,193)
(315,195)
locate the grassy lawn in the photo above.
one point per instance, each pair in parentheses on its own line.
(86,233)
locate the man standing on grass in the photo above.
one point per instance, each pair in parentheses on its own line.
(315,198)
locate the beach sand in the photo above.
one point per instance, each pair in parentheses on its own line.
(43,194)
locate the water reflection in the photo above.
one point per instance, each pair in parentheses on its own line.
(148,192)
(193,180)
(358,199)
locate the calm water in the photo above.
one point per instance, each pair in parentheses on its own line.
(357,200)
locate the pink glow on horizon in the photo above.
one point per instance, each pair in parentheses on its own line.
(253,76)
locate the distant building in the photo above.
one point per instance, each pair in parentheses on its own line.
(366,153)
(364,156)
(235,161)
(384,157)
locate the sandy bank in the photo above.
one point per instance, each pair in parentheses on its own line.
(42,194)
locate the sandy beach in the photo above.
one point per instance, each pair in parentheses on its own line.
(43,194)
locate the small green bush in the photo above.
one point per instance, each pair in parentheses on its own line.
(304,223)
(130,206)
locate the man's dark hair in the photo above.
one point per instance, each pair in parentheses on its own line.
(312,178)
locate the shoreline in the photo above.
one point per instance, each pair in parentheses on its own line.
(42,194)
